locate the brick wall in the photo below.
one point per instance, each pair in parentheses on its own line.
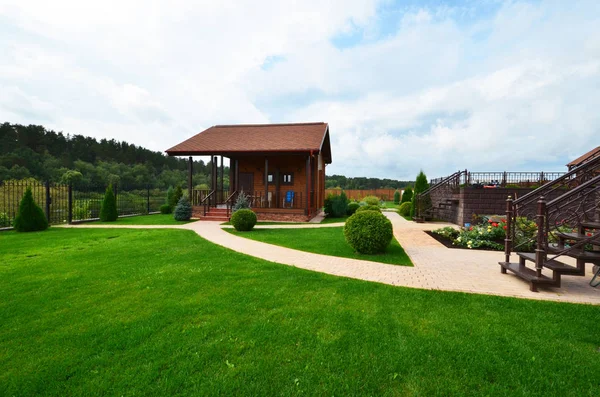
(487,202)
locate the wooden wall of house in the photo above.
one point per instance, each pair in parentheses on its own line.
(279,165)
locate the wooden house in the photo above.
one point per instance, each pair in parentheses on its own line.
(280,167)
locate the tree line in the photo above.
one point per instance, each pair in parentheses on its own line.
(35,152)
(340,181)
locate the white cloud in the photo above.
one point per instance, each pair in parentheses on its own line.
(449,88)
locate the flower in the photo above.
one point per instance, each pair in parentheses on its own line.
(495,224)
(504,227)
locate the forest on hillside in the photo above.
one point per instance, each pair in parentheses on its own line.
(33,151)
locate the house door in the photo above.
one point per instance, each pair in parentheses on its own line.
(247,183)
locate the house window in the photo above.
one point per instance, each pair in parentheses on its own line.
(270,178)
(288,178)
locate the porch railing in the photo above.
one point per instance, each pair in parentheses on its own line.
(283,199)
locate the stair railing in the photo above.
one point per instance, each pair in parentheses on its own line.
(563,214)
(568,212)
(229,202)
(206,201)
(521,214)
(423,199)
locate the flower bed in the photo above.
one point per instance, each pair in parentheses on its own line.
(488,235)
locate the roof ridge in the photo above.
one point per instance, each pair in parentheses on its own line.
(267,125)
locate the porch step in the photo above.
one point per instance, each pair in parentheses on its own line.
(573,236)
(214,218)
(587,256)
(528,275)
(591,225)
(554,265)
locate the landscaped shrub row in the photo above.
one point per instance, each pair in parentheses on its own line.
(352,207)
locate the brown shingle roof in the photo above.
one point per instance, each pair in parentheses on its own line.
(588,156)
(245,138)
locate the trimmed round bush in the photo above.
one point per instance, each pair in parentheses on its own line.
(183,211)
(165,209)
(371,200)
(368,208)
(352,207)
(368,232)
(404,209)
(243,220)
(30,217)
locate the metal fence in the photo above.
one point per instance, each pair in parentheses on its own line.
(63,203)
(504,179)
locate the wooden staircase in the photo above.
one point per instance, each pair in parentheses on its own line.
(447,188)
(567,227)
(212,214)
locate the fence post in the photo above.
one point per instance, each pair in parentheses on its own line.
(541,178)
(48,200)
(70,205)
(148,198)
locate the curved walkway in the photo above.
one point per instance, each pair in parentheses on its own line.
(435,266)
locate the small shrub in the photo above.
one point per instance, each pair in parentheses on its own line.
(396,197)
(368,208)
(175,196)
(108,210)
(371,200)
(4,220)
(81,210)
(339,206)
(183,211)
(407,195)
(421,185)
(368,232)
(404,209)
(336,206)
(170,198)
(165,209)
(30,217)
(352,207)
(243,220)
(241,202)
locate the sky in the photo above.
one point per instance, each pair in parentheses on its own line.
(483,85)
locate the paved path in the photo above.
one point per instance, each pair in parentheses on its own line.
(435,266)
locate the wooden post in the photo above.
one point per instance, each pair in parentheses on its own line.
(277,189)
(266,182)
(148,198)
(540,253)
(190,187)
(237,175)
(508,237)
(70,205)
(222,181)
(213,182)
(306,175)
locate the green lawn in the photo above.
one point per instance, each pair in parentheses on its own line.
(156,219)
(335,220)
(163,312)
(326,241)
